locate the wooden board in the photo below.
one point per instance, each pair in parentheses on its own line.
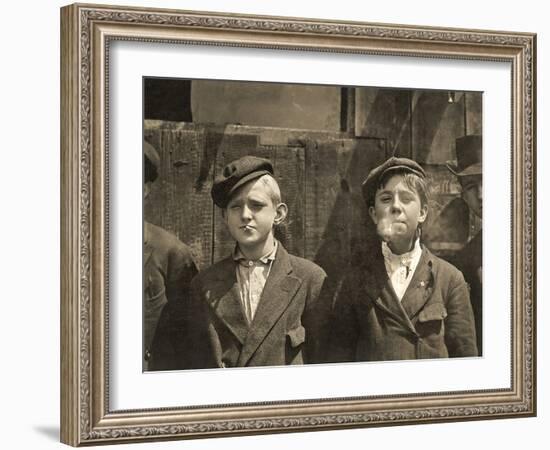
(474,106)
(178,203)
(385,114)
(320,175)
(436,125)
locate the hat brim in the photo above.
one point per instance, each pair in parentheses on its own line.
(369,185)
(403,168)
(474,169)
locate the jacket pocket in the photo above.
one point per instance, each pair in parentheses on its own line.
(296,336)
(431,325)
(435,311)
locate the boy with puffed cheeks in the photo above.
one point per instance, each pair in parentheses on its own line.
(260,305)
(403,302)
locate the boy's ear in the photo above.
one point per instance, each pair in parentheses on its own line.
(423,214)
(372,214)
(282,211)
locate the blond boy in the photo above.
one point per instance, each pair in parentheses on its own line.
(260,305)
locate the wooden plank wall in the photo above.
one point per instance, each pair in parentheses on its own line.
(179,200)
(320,172)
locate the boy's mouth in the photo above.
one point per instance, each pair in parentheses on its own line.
(247,227)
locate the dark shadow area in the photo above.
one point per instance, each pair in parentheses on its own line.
(349,234)
(389,117)
(429,121)
(167,99)
(213,143)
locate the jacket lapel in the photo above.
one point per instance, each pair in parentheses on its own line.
(277,294)
(421,286)
(378,287)
(224,300)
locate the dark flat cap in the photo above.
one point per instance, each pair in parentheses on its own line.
(393,164)
(468,156)
(237,173)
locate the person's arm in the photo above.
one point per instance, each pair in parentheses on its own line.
(179,273)
(343,324)
(460,333)
(195,351)
(180,270)
(315,319)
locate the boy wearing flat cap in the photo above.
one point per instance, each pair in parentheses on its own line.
(403,302)
(260,305)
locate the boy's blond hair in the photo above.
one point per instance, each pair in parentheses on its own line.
(272,186)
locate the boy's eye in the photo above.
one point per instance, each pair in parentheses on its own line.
(385,198)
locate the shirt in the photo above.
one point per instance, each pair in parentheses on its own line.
(400,268)
(252,276)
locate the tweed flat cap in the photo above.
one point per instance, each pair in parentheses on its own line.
(237,173)
(468,156)
(393,164)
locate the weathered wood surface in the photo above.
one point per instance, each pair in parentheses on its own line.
(386,114)
(319,172)
(179,201)
(436,124)
(320,175)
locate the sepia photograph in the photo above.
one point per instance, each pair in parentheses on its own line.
(276,224)
(294,224)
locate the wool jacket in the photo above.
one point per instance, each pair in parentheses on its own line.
(286,328)
(433,320)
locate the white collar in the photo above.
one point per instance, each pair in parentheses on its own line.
(239,257)
(406,259)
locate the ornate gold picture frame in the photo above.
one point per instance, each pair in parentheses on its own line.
(87,35)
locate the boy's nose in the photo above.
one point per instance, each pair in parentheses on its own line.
(246,213)
(395,205)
